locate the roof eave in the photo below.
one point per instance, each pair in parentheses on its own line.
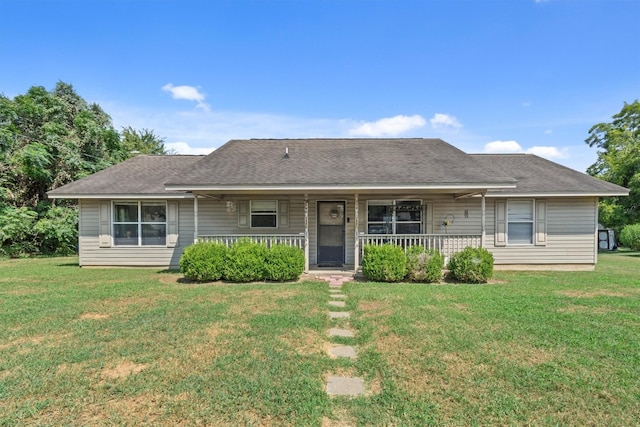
(122,196)
(341,187)
(556,194)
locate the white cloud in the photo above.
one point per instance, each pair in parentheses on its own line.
(503,147)
(526,104)
(390,126)
(439,121)
(184,148)
(190,93)
(548,152)
(548,132)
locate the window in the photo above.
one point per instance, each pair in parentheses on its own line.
(394,217)
(264,214)
(520,222)
(139,223)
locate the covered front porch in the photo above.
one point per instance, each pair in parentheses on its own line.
(332,230)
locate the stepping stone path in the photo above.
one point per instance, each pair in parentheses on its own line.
(341,386)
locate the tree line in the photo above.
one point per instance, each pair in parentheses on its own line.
(48,139)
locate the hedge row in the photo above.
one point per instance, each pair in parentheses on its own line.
(390,263)
(242,262)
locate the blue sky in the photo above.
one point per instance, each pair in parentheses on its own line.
(486,76)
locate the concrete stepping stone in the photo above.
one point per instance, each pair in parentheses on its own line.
(345,386)
(339,314)
(334,291)
(338,296)
(337,332)
(343,351)
(337,303)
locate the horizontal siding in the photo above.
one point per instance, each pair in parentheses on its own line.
(90,254)
(571,224)
(570,228)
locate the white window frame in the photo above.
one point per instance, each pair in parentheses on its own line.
(532,222)
(139,223)
(274,214)
(393,222)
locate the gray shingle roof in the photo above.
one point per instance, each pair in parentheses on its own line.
(348,162)
(339,163)
(143,174)
(536,175)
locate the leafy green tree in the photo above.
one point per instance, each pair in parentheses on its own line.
(48,139)
(618,162)
(142,141)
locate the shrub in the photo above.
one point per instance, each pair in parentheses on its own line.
(245,262)
(384,263)
(471,265)
(58,230)
(424,265)
(16,231)
(630,237)
(284,263)
(203,261)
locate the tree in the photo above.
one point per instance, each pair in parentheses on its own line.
(143,141)
(48,139)
(618,162)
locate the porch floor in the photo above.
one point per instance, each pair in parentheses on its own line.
(347,269)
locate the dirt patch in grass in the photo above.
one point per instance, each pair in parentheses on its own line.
(571,309)
(341,418)
(93,316)
(462,308)
(171,278)
(122,370)
(35,340)
(304,342)
(528,356)
(375,308)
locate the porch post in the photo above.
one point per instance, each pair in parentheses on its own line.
(195,218)
(356,255)
(306,233)
(482,227)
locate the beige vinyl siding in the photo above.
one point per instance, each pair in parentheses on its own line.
(91,254)
(442,206)
(571,226)
(215,217)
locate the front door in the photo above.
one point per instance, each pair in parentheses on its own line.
(331,233)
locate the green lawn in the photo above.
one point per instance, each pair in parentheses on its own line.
(137,346)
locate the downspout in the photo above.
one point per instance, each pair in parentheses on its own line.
(482,227)
(356,255)
(306,233)
(195,218)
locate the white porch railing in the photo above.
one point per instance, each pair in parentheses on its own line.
(266,239)
(447,244)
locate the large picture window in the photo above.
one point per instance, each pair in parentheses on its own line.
(520,222)
(394,217)
(139,223)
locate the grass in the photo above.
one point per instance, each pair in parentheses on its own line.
(137,347)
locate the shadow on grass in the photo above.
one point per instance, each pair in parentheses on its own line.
(68,264)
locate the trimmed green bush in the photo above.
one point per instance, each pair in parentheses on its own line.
(423,265)
(630,237)
(245,262)
(471,265)
(284,263)
(203,261)
(384,263)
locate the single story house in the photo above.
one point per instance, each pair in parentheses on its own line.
(331,197)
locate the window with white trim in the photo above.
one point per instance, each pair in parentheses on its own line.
(137,223)
(520,220)
(394,217)
(264,213)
